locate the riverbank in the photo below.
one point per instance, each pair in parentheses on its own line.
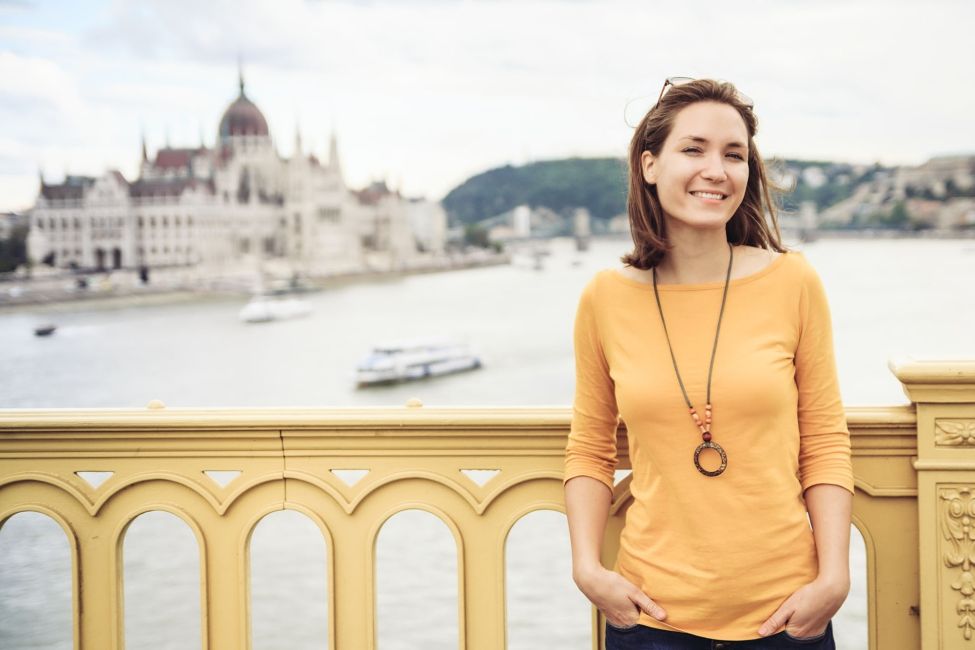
(122,288)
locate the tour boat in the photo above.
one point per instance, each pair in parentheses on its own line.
(407,360)
(45,330)
(264,308)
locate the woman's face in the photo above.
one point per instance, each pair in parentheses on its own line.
(705,155)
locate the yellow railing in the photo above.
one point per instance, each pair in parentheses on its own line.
(914,467)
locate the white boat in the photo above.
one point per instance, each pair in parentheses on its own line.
(263,308)
(414,359)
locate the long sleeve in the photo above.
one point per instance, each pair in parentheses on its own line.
(824,440)
(780,419)
(591,448)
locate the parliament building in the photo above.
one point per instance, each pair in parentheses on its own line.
(230,208)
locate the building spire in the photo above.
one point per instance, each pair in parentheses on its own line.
(333,153)
(145,152)
(240,75)
(297,153)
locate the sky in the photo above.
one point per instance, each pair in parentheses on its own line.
(426,93)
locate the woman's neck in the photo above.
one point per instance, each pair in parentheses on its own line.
(696,257)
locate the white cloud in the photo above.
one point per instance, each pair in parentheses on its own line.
(432,92)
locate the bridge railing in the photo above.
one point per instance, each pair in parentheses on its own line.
(914,468)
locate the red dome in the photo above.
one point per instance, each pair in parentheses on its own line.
(242,117)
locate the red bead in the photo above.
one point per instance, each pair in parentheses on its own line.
(707,436)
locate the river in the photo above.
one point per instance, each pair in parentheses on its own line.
(889,298)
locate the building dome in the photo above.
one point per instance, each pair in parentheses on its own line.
(242,117)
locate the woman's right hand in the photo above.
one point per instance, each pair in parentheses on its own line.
(617,598)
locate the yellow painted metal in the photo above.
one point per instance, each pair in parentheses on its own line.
(944,393)
(415,457)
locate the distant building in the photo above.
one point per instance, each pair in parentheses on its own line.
(619,225)
(521,218)
(814,177)
(939,172)
(229,207)
(428,221)
(9,221)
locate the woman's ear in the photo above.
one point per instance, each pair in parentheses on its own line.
(648,168)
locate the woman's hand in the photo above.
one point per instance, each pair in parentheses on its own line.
(617,598)
(807,612)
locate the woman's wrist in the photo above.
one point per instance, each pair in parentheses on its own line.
(583,573)
(837,581)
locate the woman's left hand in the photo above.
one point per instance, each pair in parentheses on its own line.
(808,611)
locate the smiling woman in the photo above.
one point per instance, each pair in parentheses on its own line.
(708,169)
(702,144)
(697,564)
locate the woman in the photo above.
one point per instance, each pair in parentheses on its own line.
(714,345)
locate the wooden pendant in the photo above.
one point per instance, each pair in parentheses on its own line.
(697,458)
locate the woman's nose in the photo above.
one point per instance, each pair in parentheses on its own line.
(714,169)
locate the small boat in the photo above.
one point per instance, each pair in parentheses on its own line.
(45,330)
(263,308)
(407,360)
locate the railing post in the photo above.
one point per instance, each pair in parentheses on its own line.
(354,586)
(944,394)
(225,588)
(484,599)
(99,596)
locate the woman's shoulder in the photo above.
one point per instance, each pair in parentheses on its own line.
(800,264)
(596,283)
(756,259)
(602,289)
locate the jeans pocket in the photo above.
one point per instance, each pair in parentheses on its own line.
(615,628)
(809,639)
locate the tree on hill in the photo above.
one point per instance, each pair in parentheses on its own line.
(597,184)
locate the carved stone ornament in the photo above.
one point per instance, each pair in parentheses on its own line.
(958,530)
(954,433)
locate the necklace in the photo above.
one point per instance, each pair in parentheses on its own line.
(705,426)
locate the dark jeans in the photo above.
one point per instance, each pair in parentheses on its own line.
(641,637)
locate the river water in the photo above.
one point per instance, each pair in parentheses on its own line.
(889,298)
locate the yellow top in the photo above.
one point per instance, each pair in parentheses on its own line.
(719,554)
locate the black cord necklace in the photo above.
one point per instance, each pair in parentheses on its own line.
(705,426)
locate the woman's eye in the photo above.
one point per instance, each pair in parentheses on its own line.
(736,156)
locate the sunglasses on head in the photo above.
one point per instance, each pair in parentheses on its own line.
(677,81)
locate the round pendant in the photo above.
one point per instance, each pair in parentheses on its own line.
(697,458)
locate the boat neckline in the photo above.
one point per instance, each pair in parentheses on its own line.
(768,268)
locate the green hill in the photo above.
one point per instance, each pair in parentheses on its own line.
(597,184)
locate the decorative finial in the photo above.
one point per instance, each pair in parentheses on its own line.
(240,74)
(333,152)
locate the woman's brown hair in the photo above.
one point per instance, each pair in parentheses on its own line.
(748,226)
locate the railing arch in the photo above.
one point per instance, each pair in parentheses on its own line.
(907,460)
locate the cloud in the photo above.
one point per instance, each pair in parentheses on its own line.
(434,91)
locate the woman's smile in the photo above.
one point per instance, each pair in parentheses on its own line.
(710,197)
